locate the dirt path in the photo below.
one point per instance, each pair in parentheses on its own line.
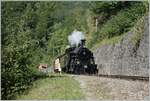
(86,90)
(97,88)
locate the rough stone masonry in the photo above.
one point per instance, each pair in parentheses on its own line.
(124,57)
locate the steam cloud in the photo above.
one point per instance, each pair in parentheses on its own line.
(75,37)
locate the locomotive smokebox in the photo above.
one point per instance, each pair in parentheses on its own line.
(83,42)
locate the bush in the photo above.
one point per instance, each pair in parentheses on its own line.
(123,21)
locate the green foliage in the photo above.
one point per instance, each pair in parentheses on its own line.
(108,7)
(121,22)
(19,45)
(104,10)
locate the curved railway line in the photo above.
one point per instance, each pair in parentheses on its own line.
(142,78)
(125,77)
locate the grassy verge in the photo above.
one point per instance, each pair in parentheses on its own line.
(109,41)
(138,30)
(54,87)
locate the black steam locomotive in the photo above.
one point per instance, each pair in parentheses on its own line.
(79,60)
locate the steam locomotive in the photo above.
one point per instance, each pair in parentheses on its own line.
(79,60)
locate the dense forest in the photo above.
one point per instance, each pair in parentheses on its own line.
(37,32)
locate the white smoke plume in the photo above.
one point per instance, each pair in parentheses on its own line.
(75,37)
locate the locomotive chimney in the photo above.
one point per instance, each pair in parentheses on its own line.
(82,42)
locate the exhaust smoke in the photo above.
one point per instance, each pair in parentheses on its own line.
(75,38)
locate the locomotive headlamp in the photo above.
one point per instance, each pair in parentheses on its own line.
(85,66)
(78,62)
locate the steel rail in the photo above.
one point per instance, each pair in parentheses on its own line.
(141,78)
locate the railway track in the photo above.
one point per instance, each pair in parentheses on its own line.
(141,78)
(125,77)
(115,87)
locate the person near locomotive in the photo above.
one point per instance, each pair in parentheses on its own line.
(57,67)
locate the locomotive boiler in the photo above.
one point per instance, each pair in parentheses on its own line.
(79,60)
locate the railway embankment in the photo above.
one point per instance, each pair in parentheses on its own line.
(129,55)
(101,88)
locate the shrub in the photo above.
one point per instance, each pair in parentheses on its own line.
(123,21)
